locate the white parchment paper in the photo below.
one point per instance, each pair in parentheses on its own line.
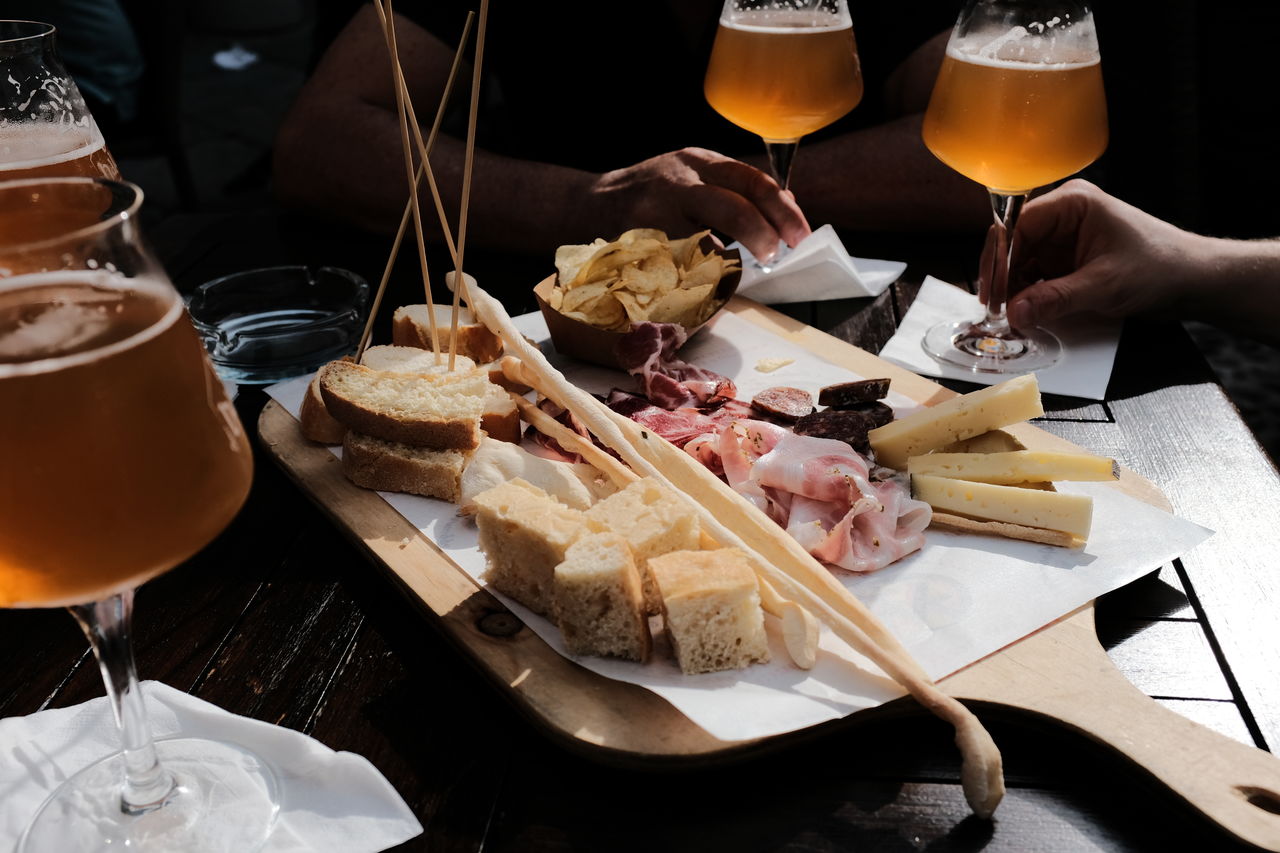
(958,600)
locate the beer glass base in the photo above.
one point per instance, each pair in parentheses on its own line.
(767,267)
(225,798)
(971,346)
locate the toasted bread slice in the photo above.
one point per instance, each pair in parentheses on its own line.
(411,327)
(441,412)
(316,422)
(389,466)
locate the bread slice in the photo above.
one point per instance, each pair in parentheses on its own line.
(653,521)
(316,422)
(711,606)
(524,534)
(411,327)
(389,466)
(440,412)
(400,359)
(597,601)
(500,418)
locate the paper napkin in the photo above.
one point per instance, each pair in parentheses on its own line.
(330,801)
(817,269)
(1089,344)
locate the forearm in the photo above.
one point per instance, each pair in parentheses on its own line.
(348,161)
(884,179)
(1235,284)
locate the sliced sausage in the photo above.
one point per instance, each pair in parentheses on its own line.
(783,403)
(848,425)
(846,394)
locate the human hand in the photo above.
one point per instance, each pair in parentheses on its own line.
(1078,249)
(693,188)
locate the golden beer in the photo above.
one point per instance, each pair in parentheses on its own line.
(1015,126)
(122,455)
(782,75)
(47,150)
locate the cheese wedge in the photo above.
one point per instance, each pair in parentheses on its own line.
(955,420)
(1029,507)
(1019,466)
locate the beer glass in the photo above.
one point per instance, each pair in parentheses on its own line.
(123,457)
(45,128)
(783,69)
(1018,104)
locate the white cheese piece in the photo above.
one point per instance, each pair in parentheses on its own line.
(1019,466)
(769,365)
(1029,507)
(957,419)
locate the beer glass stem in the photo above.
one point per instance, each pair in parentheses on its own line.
(782,153)
(106,623)
(995,286)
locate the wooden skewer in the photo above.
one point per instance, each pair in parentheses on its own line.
(386,15)
(460,280)
(423,166)
(424,149)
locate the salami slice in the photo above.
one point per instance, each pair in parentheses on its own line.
(846,394)
(782,403)
(848,425)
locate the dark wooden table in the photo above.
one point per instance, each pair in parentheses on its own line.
(283,620)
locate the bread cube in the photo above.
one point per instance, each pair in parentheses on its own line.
(597,600)
(711,606)
(524,534)
(653,521)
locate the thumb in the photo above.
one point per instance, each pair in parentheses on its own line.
(1046,301)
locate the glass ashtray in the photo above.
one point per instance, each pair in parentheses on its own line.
(269,324)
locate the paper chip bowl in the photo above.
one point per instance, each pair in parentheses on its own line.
(585,342)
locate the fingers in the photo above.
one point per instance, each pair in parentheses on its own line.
(1047,301)
(777,205)
(725,210)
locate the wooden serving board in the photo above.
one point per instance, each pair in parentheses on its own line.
(1060,673)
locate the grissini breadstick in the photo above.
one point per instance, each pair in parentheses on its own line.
(620,475)
(734,522)
(799,628)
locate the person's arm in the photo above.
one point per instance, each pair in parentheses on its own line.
(339,150)
(884,178)
(1078,249)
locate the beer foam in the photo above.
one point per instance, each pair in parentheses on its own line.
(70,324)
(786,21)
(1055,45)
(34,145)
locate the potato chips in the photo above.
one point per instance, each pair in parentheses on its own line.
(641,276)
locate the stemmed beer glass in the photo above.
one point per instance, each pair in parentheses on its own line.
(46,129)
(122,458)
(1018,105)
(783,69)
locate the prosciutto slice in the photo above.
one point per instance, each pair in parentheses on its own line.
(821,491)
(648,352)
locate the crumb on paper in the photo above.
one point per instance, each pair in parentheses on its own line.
(769,365)
(404,543)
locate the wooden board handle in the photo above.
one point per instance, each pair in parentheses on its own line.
(1065,676)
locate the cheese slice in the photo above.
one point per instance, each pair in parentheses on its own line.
(1019,466)
(1030,507)
(957,419)
(996,441)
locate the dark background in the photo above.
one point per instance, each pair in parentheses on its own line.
(1191,91)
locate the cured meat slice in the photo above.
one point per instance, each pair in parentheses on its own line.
(845,394)
(648,352)
(786,404)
